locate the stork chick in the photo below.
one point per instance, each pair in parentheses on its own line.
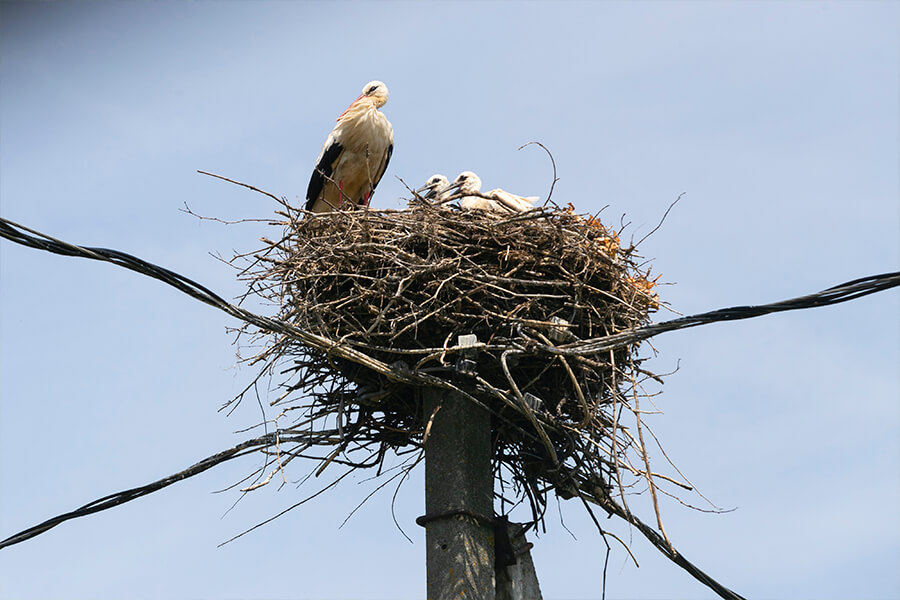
(355,154)
(496,200)
(512,201)
(469,183)
(435,188)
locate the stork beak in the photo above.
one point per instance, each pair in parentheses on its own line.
(351,106)
(452,188)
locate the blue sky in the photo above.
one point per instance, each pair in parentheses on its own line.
(779,120)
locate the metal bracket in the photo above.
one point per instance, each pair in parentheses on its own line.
(504,553)
(559,331)
(465,364)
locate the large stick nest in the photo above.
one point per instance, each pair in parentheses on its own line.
(401,287)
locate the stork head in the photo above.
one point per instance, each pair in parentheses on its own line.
(377,91)
(466,182)
(436,184)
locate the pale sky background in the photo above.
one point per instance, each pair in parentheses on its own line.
(779,120)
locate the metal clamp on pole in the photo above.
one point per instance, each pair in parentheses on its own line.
(466,365)
(559,332)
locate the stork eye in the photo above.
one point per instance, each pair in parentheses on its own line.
(372,89)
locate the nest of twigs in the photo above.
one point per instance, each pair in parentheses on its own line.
(399,288)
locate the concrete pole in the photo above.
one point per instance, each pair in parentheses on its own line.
(518,581)
(459,503)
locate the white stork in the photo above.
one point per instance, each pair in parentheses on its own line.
(355,155)
(435,188)
(469,183)
(496,200)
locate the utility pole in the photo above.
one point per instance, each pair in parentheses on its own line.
(459,503)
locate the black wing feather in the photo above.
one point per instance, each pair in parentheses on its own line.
(324,168)
(387,159)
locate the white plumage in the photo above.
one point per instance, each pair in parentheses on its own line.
(513,202)
(355,154)
(435,188)
(496,200)
(469,183)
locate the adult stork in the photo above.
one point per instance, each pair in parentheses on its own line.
(496,200)
(354,156)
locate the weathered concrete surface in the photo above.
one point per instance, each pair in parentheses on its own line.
(459,548)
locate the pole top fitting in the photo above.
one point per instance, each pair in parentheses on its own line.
(465,364)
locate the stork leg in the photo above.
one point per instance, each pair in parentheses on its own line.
(341,190)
